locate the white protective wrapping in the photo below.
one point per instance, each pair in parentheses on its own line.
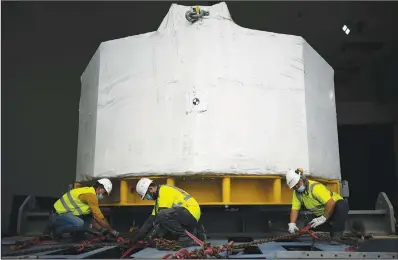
(266,103)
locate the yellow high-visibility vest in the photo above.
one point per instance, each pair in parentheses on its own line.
(70,202)
(315,200)
(172,197)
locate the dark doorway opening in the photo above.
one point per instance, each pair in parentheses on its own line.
(368,163)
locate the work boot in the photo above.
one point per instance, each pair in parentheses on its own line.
(336,237)
(201,233)
(51,227)
(54,235)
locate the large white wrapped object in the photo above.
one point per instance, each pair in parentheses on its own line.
(209,97)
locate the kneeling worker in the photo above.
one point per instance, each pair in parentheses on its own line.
(78,209)
(174,212)
(327,206)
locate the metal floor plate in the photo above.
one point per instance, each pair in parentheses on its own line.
(335,255)
(46,250)
(268,250)
(273,250)
(14,240)
(56,253)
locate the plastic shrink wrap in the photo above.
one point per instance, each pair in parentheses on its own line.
(208,97)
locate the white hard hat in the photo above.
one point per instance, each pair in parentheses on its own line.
(107,184)
(142,186)
(292,178)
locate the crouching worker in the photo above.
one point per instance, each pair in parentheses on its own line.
(328,207)
(78,210)
(174,212)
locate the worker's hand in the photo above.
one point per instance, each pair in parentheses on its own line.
(317,221)
(293,228)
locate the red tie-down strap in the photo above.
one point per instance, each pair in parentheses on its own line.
(197,254)
(33,242)
(307,229)
(197,240)
(215,250)
(87,242)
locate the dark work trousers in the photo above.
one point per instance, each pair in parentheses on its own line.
(176,221)
(336,223)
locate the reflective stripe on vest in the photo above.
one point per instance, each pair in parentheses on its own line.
(70,203)
(300,198)
(186,195)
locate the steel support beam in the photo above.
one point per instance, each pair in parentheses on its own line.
(380,221)
(21,214)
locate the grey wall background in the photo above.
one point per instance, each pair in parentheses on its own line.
(46,47)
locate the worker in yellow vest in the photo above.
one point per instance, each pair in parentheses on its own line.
(327,206)
(78,210)
(174,212)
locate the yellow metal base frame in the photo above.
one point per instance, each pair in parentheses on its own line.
(214,190)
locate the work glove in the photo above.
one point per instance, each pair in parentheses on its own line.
(317,221)
(293,228)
